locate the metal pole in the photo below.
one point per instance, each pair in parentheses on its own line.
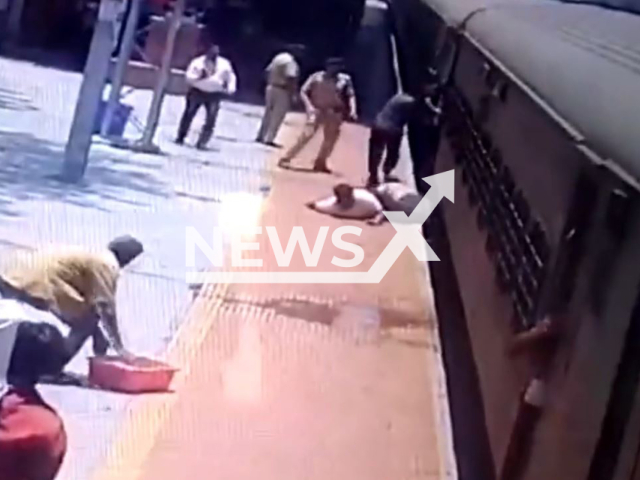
(126,47)
(95,74)
(146,142)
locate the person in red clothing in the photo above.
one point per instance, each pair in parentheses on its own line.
(33,440)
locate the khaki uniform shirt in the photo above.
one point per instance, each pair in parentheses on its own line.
(326,93)
(68,281)
(282,69)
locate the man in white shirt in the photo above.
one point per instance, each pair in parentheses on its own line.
(348,202)
(210,77)
(282,82)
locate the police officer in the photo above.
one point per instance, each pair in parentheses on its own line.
(329,100)
(282,82)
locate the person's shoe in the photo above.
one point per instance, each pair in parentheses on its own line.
(284,162)
(272,144)
(372,182)
(67,379)
(201,147)
(390,178)
(377,220)
(179,141)
(321,168)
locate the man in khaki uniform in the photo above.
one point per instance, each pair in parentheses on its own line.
(77,286)
(282,82)
(329,99)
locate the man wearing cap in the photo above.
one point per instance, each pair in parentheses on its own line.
(77,286)
(329,99)
(282,82)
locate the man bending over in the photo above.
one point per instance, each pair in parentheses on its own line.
(77,286)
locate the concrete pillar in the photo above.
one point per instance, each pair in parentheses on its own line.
(90,96)
(14,22)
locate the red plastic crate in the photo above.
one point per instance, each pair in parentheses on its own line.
(137,376)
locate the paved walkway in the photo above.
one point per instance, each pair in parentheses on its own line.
(277,381)
(152,197)
(300,381)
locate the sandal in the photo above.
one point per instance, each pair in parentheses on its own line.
(389,178)
(372,183)
(321,169)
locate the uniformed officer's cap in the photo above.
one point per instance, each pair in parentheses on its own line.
(335,61)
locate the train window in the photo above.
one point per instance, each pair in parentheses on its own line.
(496,160)
(491,245)
(522,207)
(539,241)
(507,181)
(486,142)
(500,90)
(618,212)
(574,238)
(482,114)
(445,56)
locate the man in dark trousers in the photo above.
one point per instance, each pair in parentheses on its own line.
(329,99)
(423,135)
(422,113)
(210,78)
(282,82)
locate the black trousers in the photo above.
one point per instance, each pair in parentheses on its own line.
(382,141)
(423,144)
(80,330)
(196,99)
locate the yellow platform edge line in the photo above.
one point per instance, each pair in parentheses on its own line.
(146,415)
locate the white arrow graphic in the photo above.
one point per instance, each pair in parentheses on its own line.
(408,234)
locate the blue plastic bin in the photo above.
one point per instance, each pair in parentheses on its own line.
(118,122)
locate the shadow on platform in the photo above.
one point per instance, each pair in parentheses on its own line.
(30,168)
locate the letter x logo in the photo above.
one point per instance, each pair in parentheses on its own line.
(409,228)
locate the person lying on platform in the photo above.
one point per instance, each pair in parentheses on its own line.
(77,286)
(394,197)
(348,202)
(33,441)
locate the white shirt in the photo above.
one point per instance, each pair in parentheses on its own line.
(8,329)
(212,77)
(365,206)
(396,196)
(12,312)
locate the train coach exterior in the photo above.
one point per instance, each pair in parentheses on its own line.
(542,118)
